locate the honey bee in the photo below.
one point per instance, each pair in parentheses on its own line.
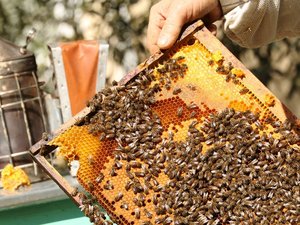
(135,164)
(74,192)
(162,80)
(176,91)
(220,69)
(145,223)
(159,220)
(193,114)
(244,91)
(139,174)
(235,81)
(193,124)
(91,160)
(191,87)
(168,86)
(148,214)
(108,185)
(157,139)
(43,150)
(119,197)
(90,186)
(113,172)
(102,136)
(128,185)
(45,136)
(168,220)
(138,202)
(154,199)
(181,74)
(130,175)
(161,70)
(110,136)
(180,58)
(124,205)
(137,213)
(230,66)
(192,106)
(180,111)
(118,164)
(184,67)
(114,83)
(228,77)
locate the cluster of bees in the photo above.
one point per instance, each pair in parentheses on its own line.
(246,175)
(172,70)
(91,208)
(230,73)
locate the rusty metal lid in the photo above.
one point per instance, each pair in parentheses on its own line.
(13,59)
(10,51)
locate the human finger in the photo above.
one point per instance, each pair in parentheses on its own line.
(158,14)
(180,13)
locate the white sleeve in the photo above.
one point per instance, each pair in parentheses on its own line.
(253,23)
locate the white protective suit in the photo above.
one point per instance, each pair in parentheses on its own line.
(253,23)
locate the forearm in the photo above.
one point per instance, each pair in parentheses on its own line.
(256,22)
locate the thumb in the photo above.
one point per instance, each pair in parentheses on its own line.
(172,26)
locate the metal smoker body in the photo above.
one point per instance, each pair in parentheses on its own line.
(22,119)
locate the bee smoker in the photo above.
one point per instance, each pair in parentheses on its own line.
(22,119)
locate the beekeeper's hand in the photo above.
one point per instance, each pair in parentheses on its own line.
(167,17)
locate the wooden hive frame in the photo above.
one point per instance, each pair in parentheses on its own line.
(197,31)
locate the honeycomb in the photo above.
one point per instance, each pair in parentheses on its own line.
(12,178)
(203,89)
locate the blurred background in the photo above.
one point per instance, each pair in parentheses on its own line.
(123,24)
